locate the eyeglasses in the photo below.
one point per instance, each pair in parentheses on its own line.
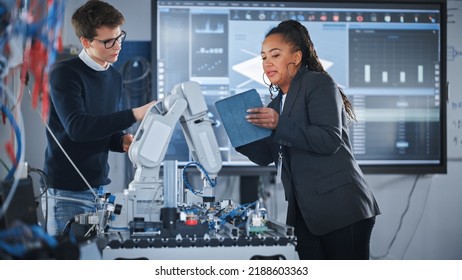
(109,43)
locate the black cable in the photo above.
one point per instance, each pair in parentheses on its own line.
(419,220)
(44,191)
(67,228)
(136,75)
(401,220)
(44,180)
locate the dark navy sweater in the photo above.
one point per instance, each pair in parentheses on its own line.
(86,118)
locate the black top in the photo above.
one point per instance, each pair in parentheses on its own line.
(86,119)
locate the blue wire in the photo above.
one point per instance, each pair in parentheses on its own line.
(235,212)
(18,232)
(213,183)
(14,250)
(40,233)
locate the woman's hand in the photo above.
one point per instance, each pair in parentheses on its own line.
(263,117)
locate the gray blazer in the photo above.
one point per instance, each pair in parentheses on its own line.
(319,171)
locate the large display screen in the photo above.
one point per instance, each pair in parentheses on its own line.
(389,57)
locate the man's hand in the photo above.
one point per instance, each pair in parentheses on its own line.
(139,112)
(127,140)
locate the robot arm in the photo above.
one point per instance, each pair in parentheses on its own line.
(197,128)
(186,104)
(150,144)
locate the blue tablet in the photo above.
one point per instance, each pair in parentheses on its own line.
(232,111)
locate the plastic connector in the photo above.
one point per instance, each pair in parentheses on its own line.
(24,170)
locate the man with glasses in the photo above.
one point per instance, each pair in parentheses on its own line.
(86,120)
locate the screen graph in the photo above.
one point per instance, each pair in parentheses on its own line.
(389,56)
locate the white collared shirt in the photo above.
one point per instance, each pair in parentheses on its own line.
(91,63)
(283,100)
